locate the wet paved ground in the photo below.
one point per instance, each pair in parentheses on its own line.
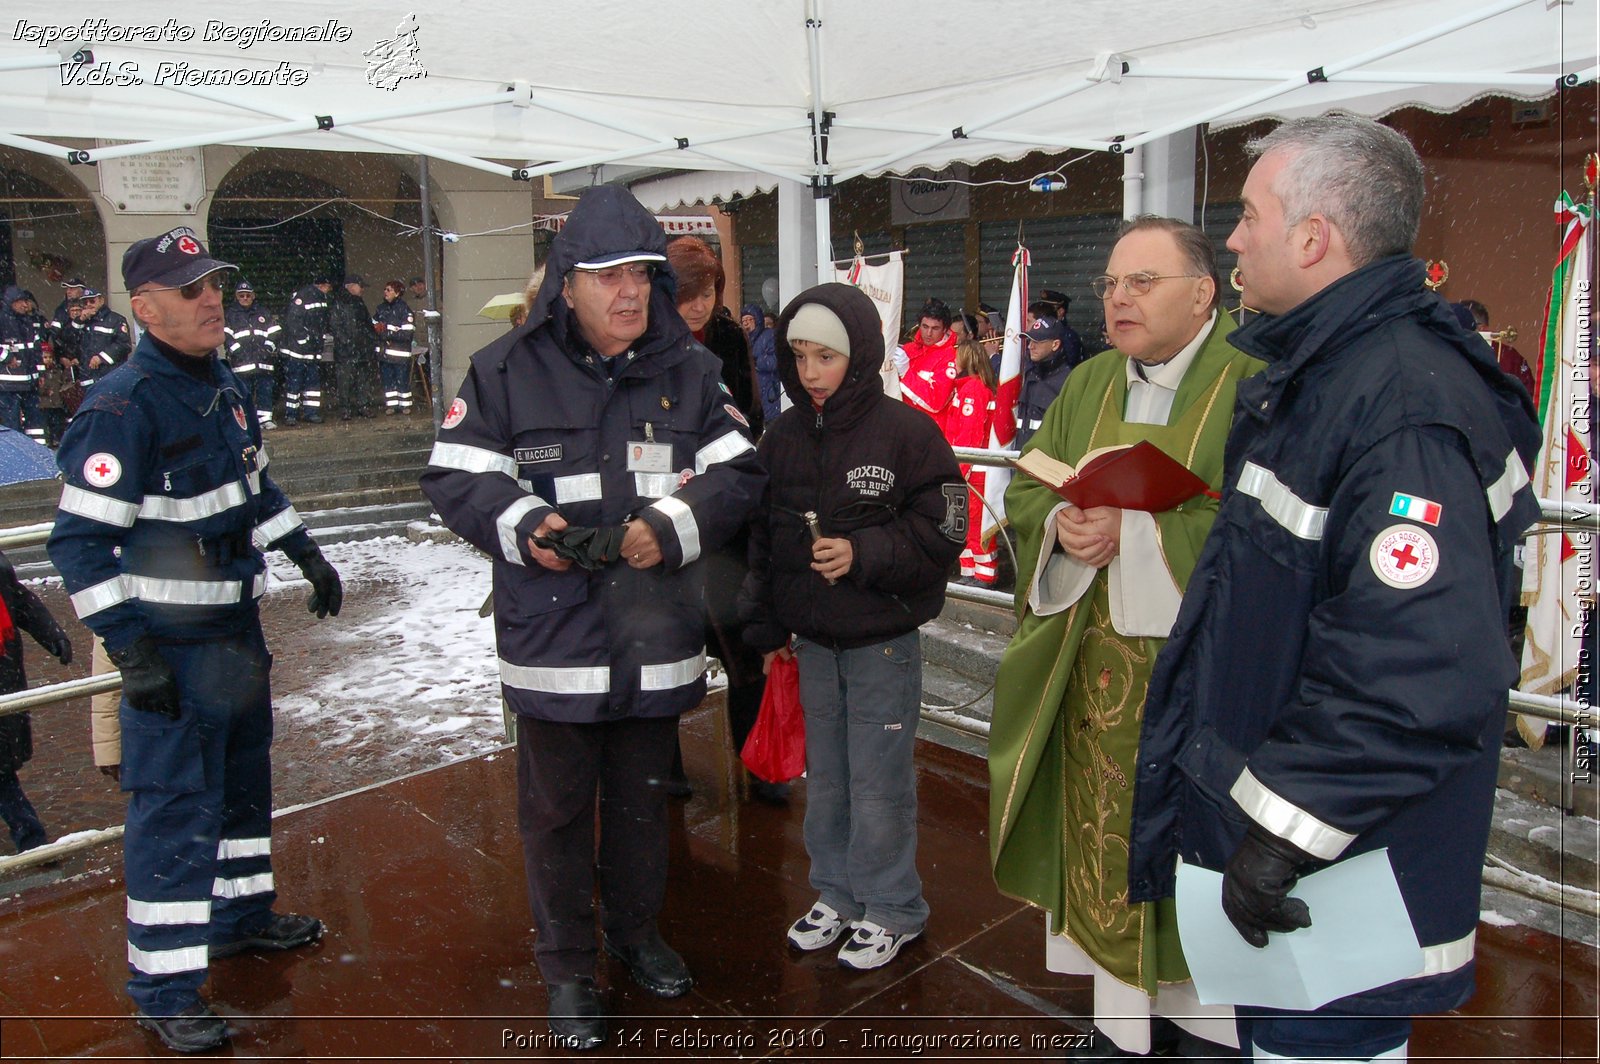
(428,954)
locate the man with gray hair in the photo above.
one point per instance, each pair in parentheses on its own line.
(1335,682)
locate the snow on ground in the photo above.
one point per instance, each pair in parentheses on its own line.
(409,654)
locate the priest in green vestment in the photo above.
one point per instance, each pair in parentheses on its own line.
(1097,593)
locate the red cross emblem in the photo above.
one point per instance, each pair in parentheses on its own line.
(102,470)
(1438,273)
(1404,556)
(188,245)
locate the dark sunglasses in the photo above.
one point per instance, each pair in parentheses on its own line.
(216,282)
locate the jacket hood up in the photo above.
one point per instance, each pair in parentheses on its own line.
(755,311)
(606,221)
(862,385)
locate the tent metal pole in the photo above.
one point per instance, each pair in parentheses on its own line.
(1132,185)
(1039,143)
(387,140)
(824,239)
(1380,77)
(819,150)
(431,316)
(660,144)
(41,147)
(968,129)
(1330,69)
(34,62)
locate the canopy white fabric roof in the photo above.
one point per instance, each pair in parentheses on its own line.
(730,84)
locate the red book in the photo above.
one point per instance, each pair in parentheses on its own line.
(1140,477)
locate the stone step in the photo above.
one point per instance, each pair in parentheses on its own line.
(1538,839)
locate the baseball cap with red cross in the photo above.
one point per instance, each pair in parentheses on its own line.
(172,259)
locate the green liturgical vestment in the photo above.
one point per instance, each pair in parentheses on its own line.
(1070,691)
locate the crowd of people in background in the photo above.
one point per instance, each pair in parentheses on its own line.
(325,338)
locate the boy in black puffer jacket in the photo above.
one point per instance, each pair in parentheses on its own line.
(887,513)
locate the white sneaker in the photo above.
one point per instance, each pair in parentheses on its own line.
(269,424)
(872,946)
(820,927)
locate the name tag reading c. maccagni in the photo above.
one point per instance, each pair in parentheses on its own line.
(533,455)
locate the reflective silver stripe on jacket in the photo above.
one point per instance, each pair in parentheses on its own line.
(1504,490)
(1286,820)
(168,913)
(1300,518)
(682,518)
(506,526)
(720,450)
(1448,956)
(395,352)
(170,592)
(673,674)
(554,680)
(229,849)
(275,527)
(196,507)
(102,508)
(655,485)
(471,459)
(169,961)
(242,887)
(579,487)
(91,600)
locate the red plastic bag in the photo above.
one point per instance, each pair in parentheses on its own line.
(776,747)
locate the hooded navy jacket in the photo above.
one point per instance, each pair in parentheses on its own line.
(1338,670)
(543,424)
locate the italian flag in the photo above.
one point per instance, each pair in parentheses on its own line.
(1558,574)
(1003,429)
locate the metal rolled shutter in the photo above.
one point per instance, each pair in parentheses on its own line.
(1066,253)
(757,263)
(936,266)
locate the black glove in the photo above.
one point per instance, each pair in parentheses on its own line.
(147,680)
(592,548)
(327,592)
(1256,885)
(60,646)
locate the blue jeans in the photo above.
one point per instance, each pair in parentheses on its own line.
(27,831)
(862,707)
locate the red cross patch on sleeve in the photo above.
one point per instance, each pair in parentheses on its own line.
(1404,556)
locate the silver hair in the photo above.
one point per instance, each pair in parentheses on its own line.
(1362,176)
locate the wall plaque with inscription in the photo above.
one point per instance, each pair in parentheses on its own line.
(164,182)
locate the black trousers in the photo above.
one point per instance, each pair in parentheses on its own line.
(564,772)
(354,377)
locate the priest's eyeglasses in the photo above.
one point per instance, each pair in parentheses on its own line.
(1137,283)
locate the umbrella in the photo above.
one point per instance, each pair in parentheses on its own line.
(22,459)
(501,306)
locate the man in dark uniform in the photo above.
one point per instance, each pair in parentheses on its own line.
(252,349)
(19,358)
(305,327)
(63,328)
(605,413)
(159,537)
(105,341)
(399,332)
(1049,362)
(355,349)
(1335,683)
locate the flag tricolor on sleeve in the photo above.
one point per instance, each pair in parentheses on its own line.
(1415,508)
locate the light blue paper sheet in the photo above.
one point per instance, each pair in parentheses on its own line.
(1360,937)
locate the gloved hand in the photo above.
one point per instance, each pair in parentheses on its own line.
(592,548)
(60,647)
(327,592)
(1256,885)
(148,682)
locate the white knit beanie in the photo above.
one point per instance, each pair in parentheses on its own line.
(817,323)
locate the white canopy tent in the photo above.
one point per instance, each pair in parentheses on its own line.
(809,91)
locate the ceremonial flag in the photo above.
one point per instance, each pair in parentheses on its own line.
(1558,578)
(1003,428)
(885,285)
